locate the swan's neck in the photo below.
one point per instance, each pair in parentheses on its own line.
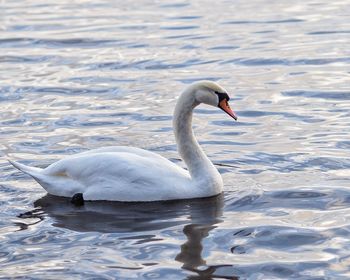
(199,166)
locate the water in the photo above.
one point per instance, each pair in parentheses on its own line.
(77,75)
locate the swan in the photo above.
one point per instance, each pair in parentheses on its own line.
(122,173)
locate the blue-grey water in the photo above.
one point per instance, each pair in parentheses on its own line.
(77,75)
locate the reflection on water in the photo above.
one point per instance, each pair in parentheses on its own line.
(197,218)
(115,216)
(191,254)
(77,75)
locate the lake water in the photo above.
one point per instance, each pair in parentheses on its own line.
(77,75)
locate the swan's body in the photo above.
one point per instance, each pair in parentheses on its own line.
(131,174)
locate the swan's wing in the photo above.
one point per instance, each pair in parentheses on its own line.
(122,176)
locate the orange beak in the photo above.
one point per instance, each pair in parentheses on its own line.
(223,105)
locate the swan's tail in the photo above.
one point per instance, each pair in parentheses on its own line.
(56,184)
(32,171)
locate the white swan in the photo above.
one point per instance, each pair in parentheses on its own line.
(123,173)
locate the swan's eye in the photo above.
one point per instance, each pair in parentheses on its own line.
(222,96)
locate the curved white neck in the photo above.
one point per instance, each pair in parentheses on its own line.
(199,166)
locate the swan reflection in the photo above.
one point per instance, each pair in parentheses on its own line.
(114,217)
(196,218)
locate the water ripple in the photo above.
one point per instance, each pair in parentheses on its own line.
(77,42)
(286,62)
(331,95)
(78,75)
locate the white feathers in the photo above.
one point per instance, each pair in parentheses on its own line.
(132,174)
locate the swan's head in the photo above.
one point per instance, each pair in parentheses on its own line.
(212,94)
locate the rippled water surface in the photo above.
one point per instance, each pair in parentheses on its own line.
(77,75)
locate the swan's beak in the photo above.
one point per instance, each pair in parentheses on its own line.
(223,105)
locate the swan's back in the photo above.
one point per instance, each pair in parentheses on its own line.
(114,173)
